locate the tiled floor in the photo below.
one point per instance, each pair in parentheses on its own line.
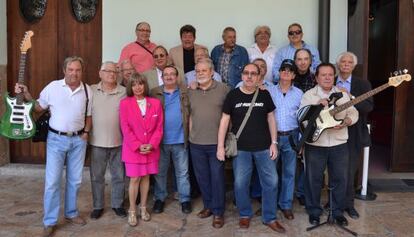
(392,214)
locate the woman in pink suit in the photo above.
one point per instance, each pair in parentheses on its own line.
(141,121)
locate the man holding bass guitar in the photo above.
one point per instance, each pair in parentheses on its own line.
(330,149)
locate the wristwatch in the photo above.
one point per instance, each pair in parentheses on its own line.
(275,142)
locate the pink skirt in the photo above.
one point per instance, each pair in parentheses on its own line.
(139,170)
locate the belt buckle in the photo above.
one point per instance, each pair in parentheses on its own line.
(70,134)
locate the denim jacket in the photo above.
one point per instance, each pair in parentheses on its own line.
(237,62)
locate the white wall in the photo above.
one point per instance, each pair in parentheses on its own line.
(3,33)
(338,29)
(210,17)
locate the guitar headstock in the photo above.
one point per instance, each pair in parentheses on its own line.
(26,44)
(399,77)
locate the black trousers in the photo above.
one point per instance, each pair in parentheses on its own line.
(317,158)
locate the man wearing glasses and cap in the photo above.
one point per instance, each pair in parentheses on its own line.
(295,35)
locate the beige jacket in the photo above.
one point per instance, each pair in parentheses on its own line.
(152,77)
(176,55)
(330,137)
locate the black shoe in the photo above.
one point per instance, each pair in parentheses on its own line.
(96,213)
(341,220)
(352,213)
(301,200)
(120,212)
(314,220)
(186,207)
(158,206)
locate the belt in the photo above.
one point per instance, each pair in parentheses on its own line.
(284,133)
(69,134)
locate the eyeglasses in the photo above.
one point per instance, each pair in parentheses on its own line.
(159,56)
(109,71)
(250,74)
(143,30)
(297,32)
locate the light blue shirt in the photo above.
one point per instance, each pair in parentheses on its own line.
(344,83)
(286,107)
(191,76)
(288,52)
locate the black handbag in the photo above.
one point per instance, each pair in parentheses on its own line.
(42,127)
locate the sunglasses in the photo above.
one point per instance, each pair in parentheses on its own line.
(297,32)
(159,56)
(144,30)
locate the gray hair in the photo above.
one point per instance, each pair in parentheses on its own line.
(207,61)
(203,48)
(72,59)
(106,63)
(264,27)
(142,23)
(341,55)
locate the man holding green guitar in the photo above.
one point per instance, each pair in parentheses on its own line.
(69,101)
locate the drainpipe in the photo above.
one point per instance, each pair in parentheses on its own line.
(323,26)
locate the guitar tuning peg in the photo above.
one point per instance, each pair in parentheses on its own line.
(400,72)
(405,71)
(395,73)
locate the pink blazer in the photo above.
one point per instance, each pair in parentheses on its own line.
(138,130)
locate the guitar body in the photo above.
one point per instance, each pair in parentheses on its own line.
(324,120)
(17,122)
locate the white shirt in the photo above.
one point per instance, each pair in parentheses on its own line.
(67,107)
(268,55)
(159,74)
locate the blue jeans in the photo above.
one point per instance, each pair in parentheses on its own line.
(317,158)
(59,149)
(288,168)
(179,156)
(209,172)
(266,168)
(300,183)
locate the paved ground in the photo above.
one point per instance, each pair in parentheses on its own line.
(21,189)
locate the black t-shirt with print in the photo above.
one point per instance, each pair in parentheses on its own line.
(255,135)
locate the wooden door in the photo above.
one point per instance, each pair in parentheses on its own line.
(57,35)
(403,117)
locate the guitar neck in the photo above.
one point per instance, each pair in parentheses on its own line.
(358,99)
(20,79)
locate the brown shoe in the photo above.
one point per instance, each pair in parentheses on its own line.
(48,231)
(204,213)
(218,221)
(244,222)
(276,226)
(76,220)
(288,214)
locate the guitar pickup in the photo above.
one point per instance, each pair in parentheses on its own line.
(17,119)
(18,113)
(18,107)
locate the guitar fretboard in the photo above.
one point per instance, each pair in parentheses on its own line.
(358,99)
(20,79)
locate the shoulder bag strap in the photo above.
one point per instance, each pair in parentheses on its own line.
(87,100)
(246,117)
(149,51)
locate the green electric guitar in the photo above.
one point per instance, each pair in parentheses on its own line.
(17,122)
